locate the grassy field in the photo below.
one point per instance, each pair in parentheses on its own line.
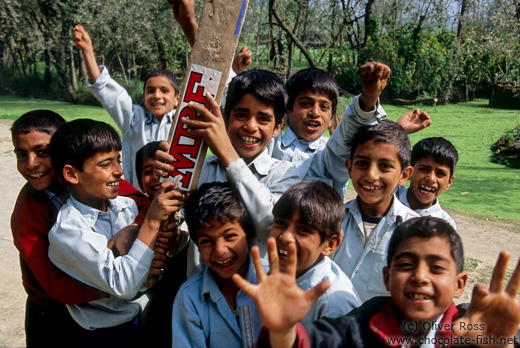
(480,186)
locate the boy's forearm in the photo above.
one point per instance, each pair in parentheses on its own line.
(91,65)
(367,101)
(148,232)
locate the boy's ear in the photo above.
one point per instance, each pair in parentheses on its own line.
(277,129)
(462,280)
(449,183)
(69,173)
(176,100)
(332,244)
(386,277)
(406,174)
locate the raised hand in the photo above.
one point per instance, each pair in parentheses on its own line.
(212,128)
(493,312)
(242,60)
(280,302)
(414,121)
(374,76)
(184,13)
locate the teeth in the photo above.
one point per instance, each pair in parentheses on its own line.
(371,187)
(38,175)
(282,252)
(224,262)
(313,123)
(250,140)
(419,297)
(113,185)
(427,189)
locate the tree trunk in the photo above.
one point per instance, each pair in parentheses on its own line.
(74,77)
(291,35)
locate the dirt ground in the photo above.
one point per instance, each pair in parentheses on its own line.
(483,239)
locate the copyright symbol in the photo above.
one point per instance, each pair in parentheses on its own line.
(410,326)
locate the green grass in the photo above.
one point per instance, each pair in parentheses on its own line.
(480,186)
(12,107)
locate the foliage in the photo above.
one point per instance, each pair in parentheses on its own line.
(506,150)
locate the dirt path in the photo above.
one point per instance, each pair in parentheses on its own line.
(483,239)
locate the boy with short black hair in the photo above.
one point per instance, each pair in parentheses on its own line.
(86,154)
(434,161)
(423,275)
(255,106)
(310,214)
(209,310)
(144,160)
(380,161)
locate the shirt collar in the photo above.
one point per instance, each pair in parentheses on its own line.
(397,211)
(386,323)
(91,214)
(149,119)
(289,137)
(210,286)
(55,200)
(262,163)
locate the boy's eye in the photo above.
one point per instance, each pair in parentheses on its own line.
(303,229)
(264,119)
(43,153)
(386,166)
(240,116)
(437,268)
(404,265)
(279,222)
(361,163)
(20,156)
(441,174)
(325,107)
(231,236)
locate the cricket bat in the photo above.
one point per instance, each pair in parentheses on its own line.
(208,69)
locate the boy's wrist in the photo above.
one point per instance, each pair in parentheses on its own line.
(367,102)
(282,338)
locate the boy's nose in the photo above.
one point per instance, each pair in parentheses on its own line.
(118,170)
(220,248)
(251,125)
(315,111)
(372,172)
(32,161)
(287,236)
(420,275)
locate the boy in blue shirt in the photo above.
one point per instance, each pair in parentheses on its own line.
(309,214)
(380,161)
(86,155)
(424,273)
(209,310)
(255,106)
(434,161)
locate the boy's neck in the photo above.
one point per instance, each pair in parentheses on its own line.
(60,189)
(375,210)
(95,203)
(415,203)
(229,290)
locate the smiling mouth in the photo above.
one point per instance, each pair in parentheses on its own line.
(225,264)
(249,140)
(113,185)
(313,125)
(427,189)
(419,297)
(371,188)
(37,175)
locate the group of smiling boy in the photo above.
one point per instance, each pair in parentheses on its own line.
(250,193)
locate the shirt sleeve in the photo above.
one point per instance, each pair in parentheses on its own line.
(187,328)
(260,197)
(83,254)
(31,239)
(302,339)
(114,99)
(330,162)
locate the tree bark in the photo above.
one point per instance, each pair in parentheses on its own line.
(291,35)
